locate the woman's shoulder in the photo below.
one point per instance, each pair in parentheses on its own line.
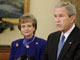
(18,40)
(40,40)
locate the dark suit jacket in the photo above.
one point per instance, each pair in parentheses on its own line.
(70,50)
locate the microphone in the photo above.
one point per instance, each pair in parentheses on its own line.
(30,58)
(22,57)
(25,57)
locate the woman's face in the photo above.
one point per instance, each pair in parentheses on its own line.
(27,29)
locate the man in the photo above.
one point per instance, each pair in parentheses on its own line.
(64,14)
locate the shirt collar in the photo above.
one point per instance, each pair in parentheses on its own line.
(68,32)
(28,41)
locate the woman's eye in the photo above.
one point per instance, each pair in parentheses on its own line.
(23,26)
(29,25)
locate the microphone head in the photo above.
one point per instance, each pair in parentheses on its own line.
(30,57)
(23,56)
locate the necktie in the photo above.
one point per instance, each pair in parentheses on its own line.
(61,43)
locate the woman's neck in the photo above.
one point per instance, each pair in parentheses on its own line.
(28,37)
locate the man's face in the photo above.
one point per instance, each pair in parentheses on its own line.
(63,21)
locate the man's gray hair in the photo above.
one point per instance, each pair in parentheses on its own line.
(70,7)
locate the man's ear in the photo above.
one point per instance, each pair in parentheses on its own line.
(73,18)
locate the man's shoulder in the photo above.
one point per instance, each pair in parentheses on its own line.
(55,33)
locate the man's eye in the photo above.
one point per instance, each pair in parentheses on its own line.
(60,15)
(55,16)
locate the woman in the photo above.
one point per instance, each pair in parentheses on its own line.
(30,46)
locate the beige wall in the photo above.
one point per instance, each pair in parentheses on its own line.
(43,11)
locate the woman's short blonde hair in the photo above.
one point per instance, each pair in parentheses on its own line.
(26,18)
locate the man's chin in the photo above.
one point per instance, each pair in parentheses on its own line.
(59,29)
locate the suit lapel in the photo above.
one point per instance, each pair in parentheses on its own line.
(56,42)
(65,47)
(68,43)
